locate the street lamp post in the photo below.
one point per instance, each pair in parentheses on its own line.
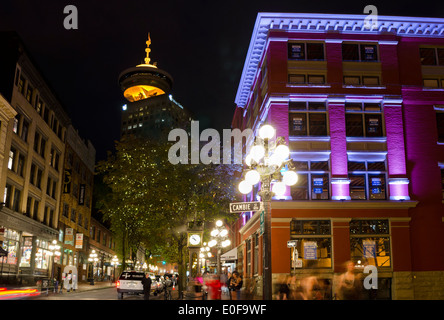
(114,263)
(220,240)
(54,251)
(268,164)
(93,259)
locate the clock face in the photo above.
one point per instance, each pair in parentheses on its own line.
(194,239)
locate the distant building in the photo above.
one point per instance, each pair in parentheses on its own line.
(32,168)
(76,202)
(151,110)
(102,240)
(362,112)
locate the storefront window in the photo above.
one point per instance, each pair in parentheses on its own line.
(10,244)
(313,244)
(370,242)
(25,260)
(42,255)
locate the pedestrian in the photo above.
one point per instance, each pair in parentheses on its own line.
(168,287)
(229,280)
(349,286)
(283,292)
(146,282)
(223,282)
(236,284)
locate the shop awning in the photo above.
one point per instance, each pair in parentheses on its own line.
(229,255)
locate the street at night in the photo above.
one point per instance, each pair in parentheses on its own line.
(225,159)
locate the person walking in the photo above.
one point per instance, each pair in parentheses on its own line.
(146,282)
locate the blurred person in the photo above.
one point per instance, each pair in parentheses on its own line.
(236,284)
(214,286)
(168,287)
(349,284)
(146,282)
(229,280)
(283,291)
(223,282)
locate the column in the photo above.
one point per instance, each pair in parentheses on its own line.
(339,173)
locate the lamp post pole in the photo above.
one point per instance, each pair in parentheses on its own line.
(266,168)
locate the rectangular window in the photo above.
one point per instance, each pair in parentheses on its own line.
(306,51)
(316,115)
(16,200)
(359,52)
(370,242)
(367,180)
(73,215)
(314,246)
(431,56)
(430,83)
(66,210)
(313,181)
(363,122)
(296,78)
(316,79)
(21,85)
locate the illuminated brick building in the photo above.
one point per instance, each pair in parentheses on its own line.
(363,113)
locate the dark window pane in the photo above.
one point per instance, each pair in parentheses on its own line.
(299,191)
(372,107)
(301,165)
(297,105)
(357,187)
(319,166)
(356,166)
(441,57)
(353,106)
(350,52)
(427,56)
(319,187)
(298,124)
(354,127)
(377,187)
(376,166)
(316,106)
(296,78)
(373,125)
(296,51)
(368,52)
(318,124)
(315,51)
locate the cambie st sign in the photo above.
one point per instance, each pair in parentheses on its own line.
(238,207)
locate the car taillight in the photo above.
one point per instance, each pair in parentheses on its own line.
(118,284)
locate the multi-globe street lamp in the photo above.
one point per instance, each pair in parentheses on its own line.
(114,263)
(268,163)
(54,251)
(219,240)
(93,259)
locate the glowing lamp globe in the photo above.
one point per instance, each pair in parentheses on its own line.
(248,159)
(266,132)
(219,223)
(245,187)
(275,160)
(214,232)
(282,151)
(290,178)
(212,243)
(252,177)
(223,233)
(279,189)
(257,153)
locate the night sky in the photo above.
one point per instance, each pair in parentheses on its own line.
(202,44)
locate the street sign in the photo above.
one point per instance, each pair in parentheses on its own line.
(238,207)
(262,224)
(292,243)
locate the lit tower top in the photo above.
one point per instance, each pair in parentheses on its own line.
(145,80)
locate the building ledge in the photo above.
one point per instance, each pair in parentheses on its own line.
(346,204)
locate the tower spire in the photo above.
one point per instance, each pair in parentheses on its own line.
(148,50)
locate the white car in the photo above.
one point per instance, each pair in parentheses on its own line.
(130,282)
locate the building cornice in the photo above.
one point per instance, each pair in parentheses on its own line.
(327,23)
(335,204)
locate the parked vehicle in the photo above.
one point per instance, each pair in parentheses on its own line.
(130,282)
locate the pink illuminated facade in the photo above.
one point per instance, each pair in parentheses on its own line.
(362,111)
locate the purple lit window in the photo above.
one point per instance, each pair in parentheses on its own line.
(306,51)
(359,52)
(363,123)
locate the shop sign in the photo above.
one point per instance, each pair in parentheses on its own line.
(369,247)
(79,240)
(310,250)
(69,236)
